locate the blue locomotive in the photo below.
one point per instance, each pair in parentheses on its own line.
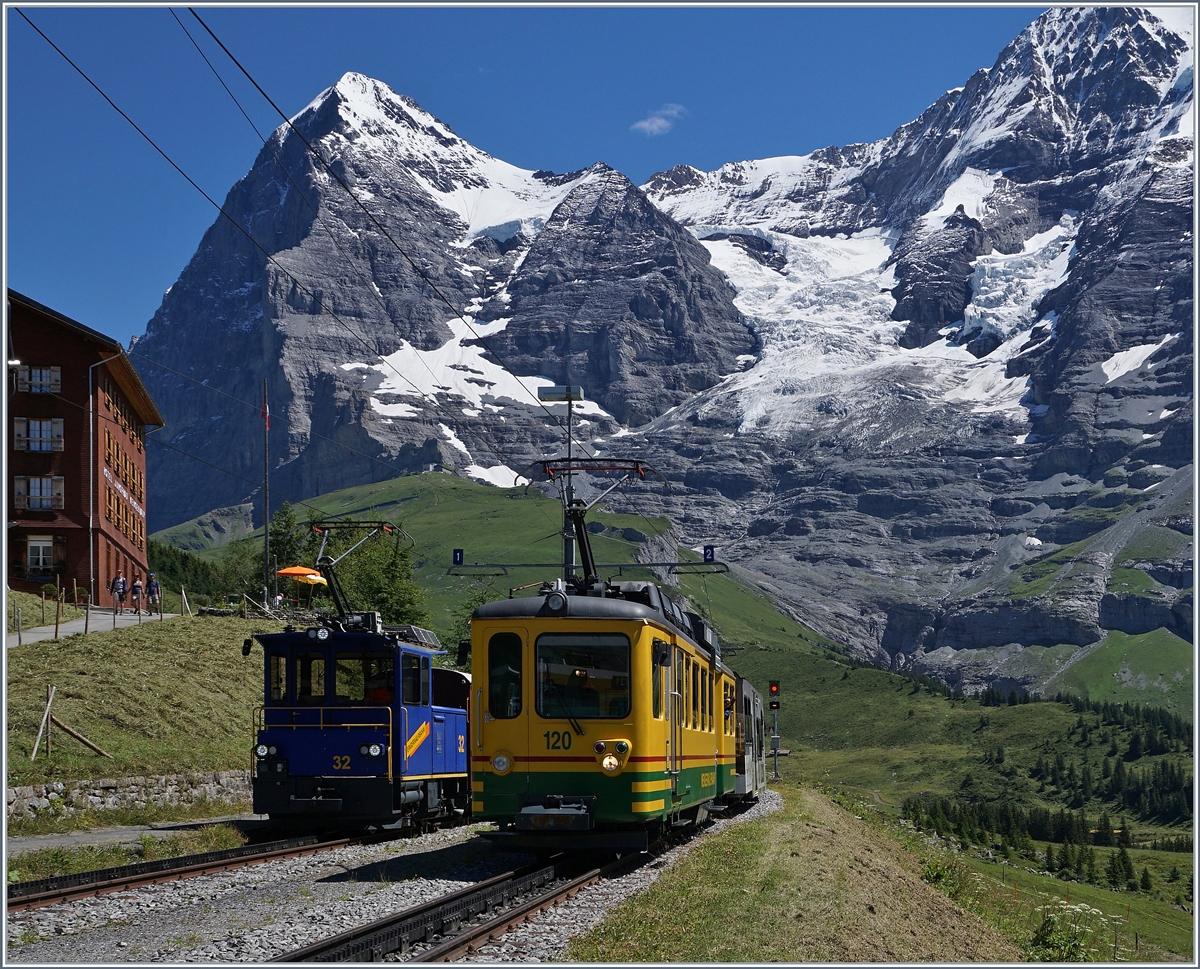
(358,728)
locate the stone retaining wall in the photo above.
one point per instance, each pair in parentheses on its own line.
(106,794)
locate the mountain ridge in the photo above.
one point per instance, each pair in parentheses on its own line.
(879,374)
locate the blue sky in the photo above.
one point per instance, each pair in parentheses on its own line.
(98,225)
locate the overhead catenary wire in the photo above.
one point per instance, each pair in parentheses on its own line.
(222,211)
(299,283)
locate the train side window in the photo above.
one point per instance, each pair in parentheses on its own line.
(712,723)
(679,681)
(656,684)
(310,678)
(410,674)
(695,694)
(277,671)
(703,700)
(424,681)
(504,675)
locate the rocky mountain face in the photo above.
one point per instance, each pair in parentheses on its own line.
(934,393)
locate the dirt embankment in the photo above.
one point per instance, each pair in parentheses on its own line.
(859,897)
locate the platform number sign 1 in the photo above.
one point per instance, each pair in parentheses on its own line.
(458,556)
(710,554)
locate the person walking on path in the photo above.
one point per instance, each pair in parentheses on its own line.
(153,593)
(136,594)
(118,587)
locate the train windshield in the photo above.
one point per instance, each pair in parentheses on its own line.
(364,677)
(583,676)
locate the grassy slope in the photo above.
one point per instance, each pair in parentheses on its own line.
(1155,668)
(811,883)
(161,698)
(33,608)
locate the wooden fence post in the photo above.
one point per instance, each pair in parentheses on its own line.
(80,737)
(45,720)
(57,614)
(18,625)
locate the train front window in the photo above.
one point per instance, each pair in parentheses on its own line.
(310,678)
(583,676)
(504,675)
(363,677)
(277,673)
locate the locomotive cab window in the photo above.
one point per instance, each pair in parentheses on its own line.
(504,675)
(310,678)
(585,676)
(363,677)
(277,673)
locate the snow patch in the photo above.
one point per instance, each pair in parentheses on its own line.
(1126,361)
(498,475)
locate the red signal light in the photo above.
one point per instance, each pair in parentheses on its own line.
(773,689)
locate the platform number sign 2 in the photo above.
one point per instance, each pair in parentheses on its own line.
(710,554)
(458,556)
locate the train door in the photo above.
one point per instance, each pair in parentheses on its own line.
(501,723)
(677,712)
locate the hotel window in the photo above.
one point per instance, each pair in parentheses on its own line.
(37,492)
(40,380)
(37,434)
(41,553)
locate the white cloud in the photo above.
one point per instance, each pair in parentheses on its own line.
(659,122)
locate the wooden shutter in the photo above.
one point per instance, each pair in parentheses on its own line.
(56,380)
(20,491)
(23,378)
(58,492)
(20,434)
(56,433)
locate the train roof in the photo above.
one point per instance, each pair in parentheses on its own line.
(621,601)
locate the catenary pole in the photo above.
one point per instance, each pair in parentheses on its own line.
(266,416)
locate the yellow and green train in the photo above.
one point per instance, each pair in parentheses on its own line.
(602,715)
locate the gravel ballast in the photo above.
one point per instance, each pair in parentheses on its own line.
(252,914)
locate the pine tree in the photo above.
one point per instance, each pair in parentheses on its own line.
(1146,883)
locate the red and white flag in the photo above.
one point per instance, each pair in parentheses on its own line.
(266,410)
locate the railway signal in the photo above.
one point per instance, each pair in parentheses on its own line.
(773,694)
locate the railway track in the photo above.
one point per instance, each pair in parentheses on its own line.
(513,897)
(23,896)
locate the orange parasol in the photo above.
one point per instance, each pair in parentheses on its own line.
(297,571)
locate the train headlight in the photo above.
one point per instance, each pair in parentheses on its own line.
(610,763)
(599,747)
(501,763)
(272,750)
(322,634)
(556,601)
(375,750)
(261,750)
(622,747)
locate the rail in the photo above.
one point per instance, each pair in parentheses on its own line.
(446,915)
(38,893)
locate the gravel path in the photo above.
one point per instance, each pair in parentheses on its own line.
(252,914)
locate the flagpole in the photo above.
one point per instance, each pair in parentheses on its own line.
(266,416)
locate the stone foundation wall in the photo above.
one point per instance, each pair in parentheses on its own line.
(106,794)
